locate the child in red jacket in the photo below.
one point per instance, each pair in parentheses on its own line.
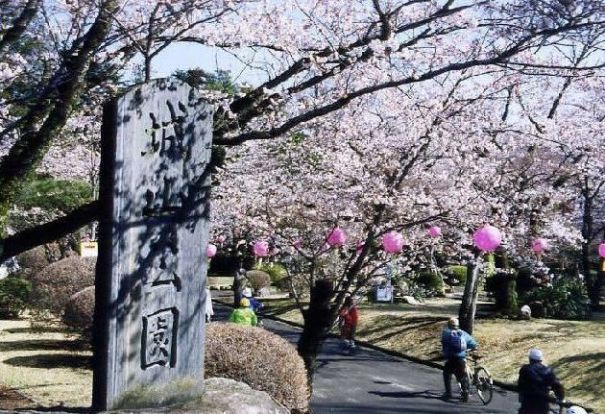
(349,316)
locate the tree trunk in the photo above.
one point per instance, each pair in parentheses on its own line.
(594,291)
(468,308)
(51,111)
(318,320)
(505,286)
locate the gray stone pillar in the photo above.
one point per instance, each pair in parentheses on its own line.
(151,273)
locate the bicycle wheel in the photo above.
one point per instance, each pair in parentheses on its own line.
(485,385)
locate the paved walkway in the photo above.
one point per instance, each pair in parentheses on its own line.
(374,382)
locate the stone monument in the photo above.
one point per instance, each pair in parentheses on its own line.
(151,271)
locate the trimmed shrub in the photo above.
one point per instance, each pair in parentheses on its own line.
(276,271)
(565,298)
(456,275)
(431,282)
(14,294)
(79,311)
(259,358)
(55,284)
(34,260)
(258,279)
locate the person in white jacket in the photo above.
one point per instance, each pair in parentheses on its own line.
(209,310)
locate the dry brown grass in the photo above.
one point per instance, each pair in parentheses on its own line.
(575,349)
(45,365)
(258,358)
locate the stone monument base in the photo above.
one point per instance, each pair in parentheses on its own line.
(173,393)
(220,396)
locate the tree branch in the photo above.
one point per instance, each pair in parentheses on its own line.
(48,232)
(20,24)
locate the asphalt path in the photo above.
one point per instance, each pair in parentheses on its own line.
(374,382)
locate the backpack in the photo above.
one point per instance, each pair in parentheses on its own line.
(456,342)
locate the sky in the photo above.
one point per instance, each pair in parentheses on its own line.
(183,56)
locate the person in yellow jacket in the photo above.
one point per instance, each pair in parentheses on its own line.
(243,315)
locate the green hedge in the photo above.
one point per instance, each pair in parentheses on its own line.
(456,274)
(275,270)
(565,298)
(431,282)
(14,294)
(51,194)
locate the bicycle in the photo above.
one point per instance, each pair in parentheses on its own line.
(561,409)
(480,380)
(565,407)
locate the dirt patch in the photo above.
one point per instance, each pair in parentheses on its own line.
(12,400)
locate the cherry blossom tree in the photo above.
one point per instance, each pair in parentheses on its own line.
(319,56)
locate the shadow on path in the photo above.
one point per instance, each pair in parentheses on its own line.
(49,361)
(428,394)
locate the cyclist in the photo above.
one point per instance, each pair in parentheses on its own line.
(535,382)
(455,343)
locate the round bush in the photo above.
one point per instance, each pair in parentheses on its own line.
(56,283)
(14,293)
(33,261)
(79,311)
(258,279)
(456,275)
(431,281)
(276,271)
(260,359)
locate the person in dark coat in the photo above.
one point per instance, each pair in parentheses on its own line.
(456,343)
(536,380)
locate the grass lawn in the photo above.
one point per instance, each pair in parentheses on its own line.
(48,366)
(575,349)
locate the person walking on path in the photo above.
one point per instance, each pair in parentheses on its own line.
(535,382)
(243,315)
(349,316)
(455,343)
(255,304)
(209,310)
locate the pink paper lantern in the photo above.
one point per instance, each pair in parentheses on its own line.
(210,250)
(487,238)
(434,231)
(260,248)
(539,245)
(392,242)
(337,237)
(602,250)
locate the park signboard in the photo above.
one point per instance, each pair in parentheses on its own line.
(151,272)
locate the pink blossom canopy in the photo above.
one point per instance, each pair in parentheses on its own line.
(487,238)
(602,250)
(539,245)
(434,231)
(359,247)
(392,242)
(260,248)
(337,237)
(211,250)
